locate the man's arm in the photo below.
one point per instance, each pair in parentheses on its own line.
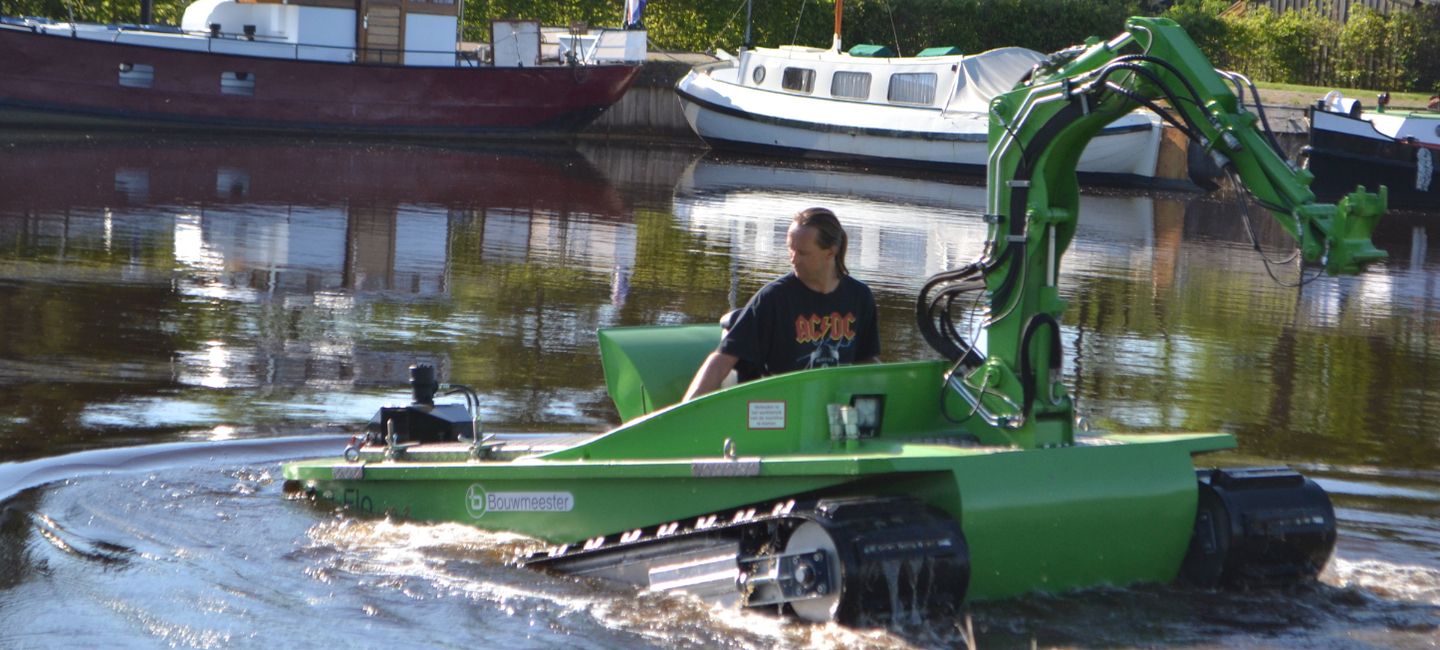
(717,366)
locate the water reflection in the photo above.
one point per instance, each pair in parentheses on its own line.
(901,229)
(175,290)
(1332,370)
(303,280)
(303,273)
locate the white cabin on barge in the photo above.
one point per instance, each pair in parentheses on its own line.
(393,32)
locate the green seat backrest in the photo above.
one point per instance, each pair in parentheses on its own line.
(873,51)
(650,368)
(939,51)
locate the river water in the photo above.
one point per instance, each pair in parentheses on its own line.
(177,316)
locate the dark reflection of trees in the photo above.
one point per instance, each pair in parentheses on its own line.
(534,316)
(1305,374)
(76,329)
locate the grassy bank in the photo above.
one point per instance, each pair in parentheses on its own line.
(1279,94)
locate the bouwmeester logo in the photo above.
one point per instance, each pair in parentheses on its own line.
(475,501)
(478,501)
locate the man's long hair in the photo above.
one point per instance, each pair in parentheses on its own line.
(829,234)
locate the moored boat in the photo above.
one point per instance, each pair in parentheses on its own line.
(314,66)
(1352,146)
(917,111)
(929,110)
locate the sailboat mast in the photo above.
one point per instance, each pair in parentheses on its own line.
(839,7)
(749,18)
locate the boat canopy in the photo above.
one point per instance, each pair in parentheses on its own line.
(989,74)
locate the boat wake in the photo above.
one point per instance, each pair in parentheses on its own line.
(1386,603)
(452,561)
(1403,582)
(15,477)
(202,549)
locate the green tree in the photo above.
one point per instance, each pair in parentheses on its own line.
(1294,46)
(1201,20)
(1363,50)
(165,12)
(1415,44)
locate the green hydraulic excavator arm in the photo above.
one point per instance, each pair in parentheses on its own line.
(1014,392)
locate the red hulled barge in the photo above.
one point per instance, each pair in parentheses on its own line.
(391,68)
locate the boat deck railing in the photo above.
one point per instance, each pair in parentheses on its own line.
(266,46)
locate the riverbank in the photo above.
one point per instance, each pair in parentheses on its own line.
(649,109)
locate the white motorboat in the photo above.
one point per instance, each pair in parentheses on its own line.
(927,111)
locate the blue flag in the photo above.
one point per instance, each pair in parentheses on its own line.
(633,10)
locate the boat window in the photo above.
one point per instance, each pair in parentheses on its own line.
(912,88)
(137,75)
(758,74)
(854,85)
(800,80)
(237,83)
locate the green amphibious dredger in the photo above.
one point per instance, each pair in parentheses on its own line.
(891,491)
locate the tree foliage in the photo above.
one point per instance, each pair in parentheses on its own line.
(1400,51)
(909,25)
(167,12)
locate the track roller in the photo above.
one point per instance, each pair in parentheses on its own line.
(854,560)
(1258,526)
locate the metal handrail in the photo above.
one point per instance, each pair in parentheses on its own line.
(461,58)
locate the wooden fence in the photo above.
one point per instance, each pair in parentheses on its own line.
(1339,10)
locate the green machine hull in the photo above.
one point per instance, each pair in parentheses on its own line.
(1113,509)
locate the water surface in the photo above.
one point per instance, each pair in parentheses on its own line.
(166,291)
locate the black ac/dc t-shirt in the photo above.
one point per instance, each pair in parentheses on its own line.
(788,326)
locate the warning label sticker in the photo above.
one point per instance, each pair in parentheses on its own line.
(767,415)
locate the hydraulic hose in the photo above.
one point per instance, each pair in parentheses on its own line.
(1027,370)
